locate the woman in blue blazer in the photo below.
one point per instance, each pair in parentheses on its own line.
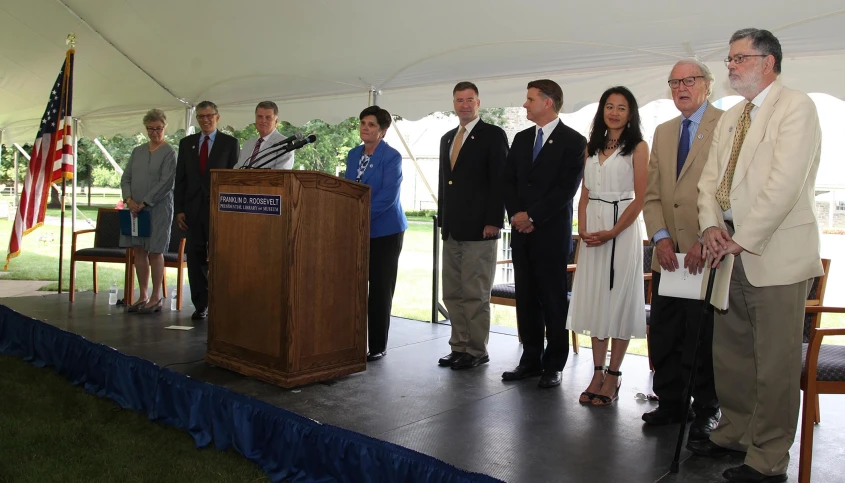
(379,166)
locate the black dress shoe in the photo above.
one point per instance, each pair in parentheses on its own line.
(468,361)
(200,314)
(374,356)
(549,379)
(520,372)
(447,360)
(747,474)
(703,425)
(666,414)
(709,449)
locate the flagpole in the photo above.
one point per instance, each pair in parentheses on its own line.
(62,234)
(71,41)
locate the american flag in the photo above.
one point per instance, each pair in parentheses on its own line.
(50,160)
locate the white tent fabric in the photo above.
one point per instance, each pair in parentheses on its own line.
(318,59)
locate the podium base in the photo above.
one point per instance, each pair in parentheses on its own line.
(286,380)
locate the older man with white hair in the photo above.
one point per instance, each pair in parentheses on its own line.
(678,154)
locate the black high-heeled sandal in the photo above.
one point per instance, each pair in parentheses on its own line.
(152,309)
(586,397)
(601,400)
(135,307)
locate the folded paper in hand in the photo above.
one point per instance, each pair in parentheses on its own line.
(683,284)
(135,225)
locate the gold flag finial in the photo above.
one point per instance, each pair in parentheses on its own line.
(71,40)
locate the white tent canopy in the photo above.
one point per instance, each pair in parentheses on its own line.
(319,59)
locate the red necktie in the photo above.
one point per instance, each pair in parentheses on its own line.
(204,155)
(255,151)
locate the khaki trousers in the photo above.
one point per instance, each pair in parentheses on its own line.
(757,367)
(468,271)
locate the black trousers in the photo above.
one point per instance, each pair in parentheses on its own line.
(541,305)
(672,331)
(384,265)
(196,248)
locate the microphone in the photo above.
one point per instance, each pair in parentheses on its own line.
(307,140)
(288,140)
(284,150)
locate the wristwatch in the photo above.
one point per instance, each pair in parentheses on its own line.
(531,219)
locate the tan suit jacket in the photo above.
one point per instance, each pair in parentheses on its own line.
(671,201)
(773,190)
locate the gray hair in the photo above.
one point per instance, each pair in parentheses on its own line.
(705,71)
(207,104)
(154,115)
(763,41)
(268,105)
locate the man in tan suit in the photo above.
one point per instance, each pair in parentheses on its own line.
(756,202)
(678,154)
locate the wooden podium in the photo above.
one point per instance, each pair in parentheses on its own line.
(288,264)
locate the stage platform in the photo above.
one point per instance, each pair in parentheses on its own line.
(514,432)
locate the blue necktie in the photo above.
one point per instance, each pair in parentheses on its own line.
(538,145)
(683,147)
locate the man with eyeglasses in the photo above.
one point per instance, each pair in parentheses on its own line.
(678,153)
(198,155)
(756,201)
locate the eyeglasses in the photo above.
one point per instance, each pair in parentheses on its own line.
(688,81)
(206,116)
(155,129)
(740,58)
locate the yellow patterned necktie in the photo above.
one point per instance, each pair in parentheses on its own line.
(456,145)
(724,191)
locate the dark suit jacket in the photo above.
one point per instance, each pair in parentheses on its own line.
(470,196)
(192,188)
(545,188)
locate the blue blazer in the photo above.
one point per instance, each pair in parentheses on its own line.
(384,177)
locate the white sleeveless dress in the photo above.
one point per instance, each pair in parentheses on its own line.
(595,309)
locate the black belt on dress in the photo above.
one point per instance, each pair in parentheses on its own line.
(613,244)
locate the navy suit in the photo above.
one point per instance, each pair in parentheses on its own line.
(192,193)
(544,189)
(387,229)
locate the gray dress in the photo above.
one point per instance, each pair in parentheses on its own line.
(149,178)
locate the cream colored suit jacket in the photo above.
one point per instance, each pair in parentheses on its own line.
(671,201)
(773,190)
(284,161)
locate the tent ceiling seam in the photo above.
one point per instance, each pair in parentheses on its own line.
(91,27)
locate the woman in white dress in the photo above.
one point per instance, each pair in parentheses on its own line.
(607,293)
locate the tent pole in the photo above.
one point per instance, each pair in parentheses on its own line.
(108,156)
(15,164)
(75,172)
(188,115)
(414,160)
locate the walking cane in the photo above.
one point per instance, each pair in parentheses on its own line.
(706,310)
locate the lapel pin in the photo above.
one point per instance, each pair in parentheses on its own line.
(731,129)
(551,141)
(700,136)
(371,165)
(472,137)
(193,147)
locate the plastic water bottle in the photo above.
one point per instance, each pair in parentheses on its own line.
(113,294)
(173,300)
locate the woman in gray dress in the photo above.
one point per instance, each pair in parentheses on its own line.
(147,185)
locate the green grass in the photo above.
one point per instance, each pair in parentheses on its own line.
(51,431)
(412,299)
(39,260)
